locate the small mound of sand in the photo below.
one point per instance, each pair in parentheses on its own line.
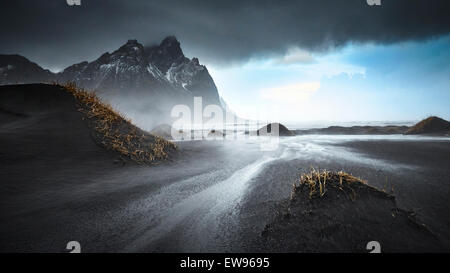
(337,212)
(431,125)
(267,130)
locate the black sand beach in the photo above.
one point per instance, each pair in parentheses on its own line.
(58,185)
(221,201)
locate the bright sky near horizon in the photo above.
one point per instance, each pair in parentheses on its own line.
(360,82)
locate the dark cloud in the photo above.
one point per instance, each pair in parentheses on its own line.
(54,34)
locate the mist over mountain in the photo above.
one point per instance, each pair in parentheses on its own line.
(143,82)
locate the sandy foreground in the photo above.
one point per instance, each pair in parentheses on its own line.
(215,196)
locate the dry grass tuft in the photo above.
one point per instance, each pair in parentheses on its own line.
(117,133)
(318,183)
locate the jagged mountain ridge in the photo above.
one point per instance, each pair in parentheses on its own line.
(136,67)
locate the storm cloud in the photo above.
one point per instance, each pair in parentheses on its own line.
(55,35)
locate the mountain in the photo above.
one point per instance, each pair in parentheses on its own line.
(430,125)
(17,69)
(143,82)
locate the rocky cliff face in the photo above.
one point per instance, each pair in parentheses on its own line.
(134,67)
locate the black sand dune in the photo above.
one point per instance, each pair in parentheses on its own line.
(43,122)
(431,125)
(53,155)
(336,212)
(69,123)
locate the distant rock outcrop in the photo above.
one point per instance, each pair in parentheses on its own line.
(356,130)
(431,125)
(270,130)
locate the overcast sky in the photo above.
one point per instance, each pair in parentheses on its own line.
(56,34)
(268,49)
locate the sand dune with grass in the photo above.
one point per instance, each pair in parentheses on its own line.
(61,112)
(338,212)
(115,132)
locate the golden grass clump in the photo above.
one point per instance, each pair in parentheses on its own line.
(319,182)
(117,133)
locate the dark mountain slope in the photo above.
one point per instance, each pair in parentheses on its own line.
(18,69)
(431,125)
